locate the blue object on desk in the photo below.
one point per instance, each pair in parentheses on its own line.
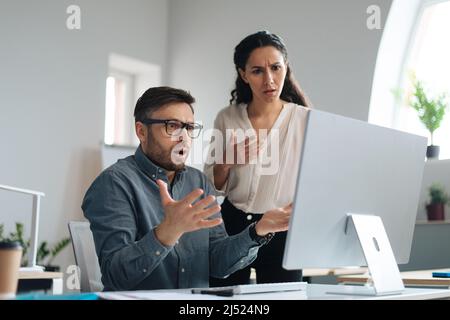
(73,296)
(441,274)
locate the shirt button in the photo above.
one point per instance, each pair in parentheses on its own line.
(153,176)
(159,170)
(249,217)
(176,242)
(158,253)
(182,269)
(144,270)
(242,261)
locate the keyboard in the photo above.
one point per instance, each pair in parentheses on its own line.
(253,288)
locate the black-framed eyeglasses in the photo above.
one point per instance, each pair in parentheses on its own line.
(175,127)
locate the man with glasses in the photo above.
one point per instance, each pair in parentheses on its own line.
(156,223)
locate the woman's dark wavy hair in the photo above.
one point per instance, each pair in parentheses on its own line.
(242,92)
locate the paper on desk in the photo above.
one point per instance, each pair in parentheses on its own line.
(155,295)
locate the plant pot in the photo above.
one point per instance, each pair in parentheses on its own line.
(433,152)
(435,211)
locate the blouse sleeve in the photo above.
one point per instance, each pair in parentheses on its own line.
(216,147)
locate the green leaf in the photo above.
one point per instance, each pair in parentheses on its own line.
(60,245)
(431,112)
(437,194)
(58,248)
(43,251)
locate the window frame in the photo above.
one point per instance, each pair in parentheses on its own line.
(394,55)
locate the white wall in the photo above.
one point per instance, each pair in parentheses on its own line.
(332,53)
(52,92)
(52,80)
(331,50)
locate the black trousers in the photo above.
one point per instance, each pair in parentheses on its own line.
(270,256)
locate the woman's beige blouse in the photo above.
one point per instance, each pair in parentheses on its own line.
(269,183)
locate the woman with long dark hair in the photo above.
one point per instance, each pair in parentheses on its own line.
(261,172)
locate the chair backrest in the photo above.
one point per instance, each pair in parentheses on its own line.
(85,256)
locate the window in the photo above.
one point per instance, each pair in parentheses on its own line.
(414,40)
(127,80)
(119,103)
(429,59)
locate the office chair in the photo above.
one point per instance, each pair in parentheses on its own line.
(85,256)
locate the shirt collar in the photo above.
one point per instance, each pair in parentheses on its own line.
(150,168)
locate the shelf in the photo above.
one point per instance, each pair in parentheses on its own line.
(426,222)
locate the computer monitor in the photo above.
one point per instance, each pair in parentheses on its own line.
(352,167)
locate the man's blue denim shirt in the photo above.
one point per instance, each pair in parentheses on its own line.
(123,207)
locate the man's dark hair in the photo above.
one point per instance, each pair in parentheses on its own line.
(157,97)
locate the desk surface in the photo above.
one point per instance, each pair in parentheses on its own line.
(334,272)
(419,278)
(313,292)
(326,272)
(39,275)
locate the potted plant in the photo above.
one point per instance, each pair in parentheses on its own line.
(430,112)
(438,200)
(44,255)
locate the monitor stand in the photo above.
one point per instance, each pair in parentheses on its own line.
(383,268)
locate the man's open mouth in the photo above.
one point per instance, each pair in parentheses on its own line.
(180,151)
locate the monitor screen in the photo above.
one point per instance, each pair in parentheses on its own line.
(352,167)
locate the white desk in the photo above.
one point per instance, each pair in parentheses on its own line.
(321,272)
(313,292)
(422,278)
(334,272)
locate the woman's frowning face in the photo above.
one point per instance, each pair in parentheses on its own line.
(265,72)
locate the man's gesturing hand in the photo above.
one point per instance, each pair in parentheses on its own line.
(182,216)
(274,220)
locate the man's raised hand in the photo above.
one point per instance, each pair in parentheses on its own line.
(183,216)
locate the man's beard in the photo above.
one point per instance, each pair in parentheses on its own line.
(170,160)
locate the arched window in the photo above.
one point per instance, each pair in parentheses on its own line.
(415,40)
